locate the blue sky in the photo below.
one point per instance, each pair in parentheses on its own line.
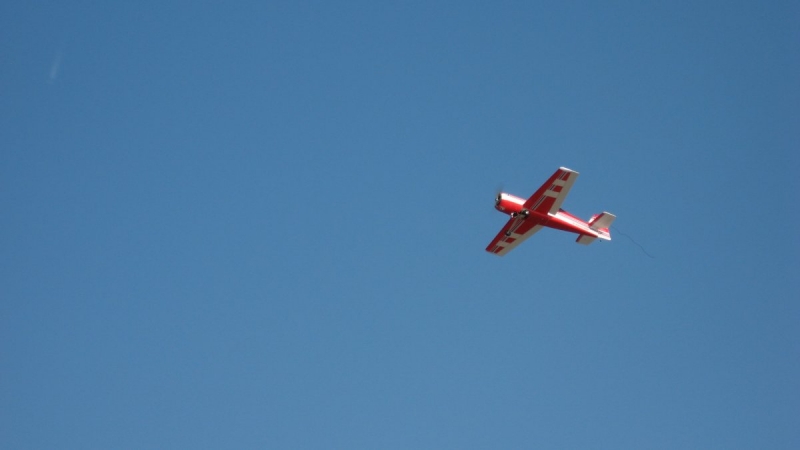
(262,225)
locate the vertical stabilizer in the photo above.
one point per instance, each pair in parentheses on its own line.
(602,221)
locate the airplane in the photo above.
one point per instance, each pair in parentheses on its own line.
(543,209)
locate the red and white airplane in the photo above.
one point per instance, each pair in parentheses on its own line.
(543,209)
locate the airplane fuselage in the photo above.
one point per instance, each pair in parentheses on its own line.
(561,220)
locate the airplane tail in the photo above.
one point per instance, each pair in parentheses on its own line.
(599,223)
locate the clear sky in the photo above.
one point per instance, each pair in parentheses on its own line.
(262,225)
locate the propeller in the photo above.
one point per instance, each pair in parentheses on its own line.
(498,193)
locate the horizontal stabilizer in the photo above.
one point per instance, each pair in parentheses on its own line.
(585,239)
(601,221)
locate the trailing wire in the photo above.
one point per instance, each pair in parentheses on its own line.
(631,239)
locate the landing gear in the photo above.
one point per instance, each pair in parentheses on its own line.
(518,218)
(522,214)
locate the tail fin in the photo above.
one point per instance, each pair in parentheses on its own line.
(599,223)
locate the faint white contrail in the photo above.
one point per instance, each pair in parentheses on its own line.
(55,67)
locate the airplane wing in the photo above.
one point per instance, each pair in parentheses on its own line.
(519,229)
(548,198)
